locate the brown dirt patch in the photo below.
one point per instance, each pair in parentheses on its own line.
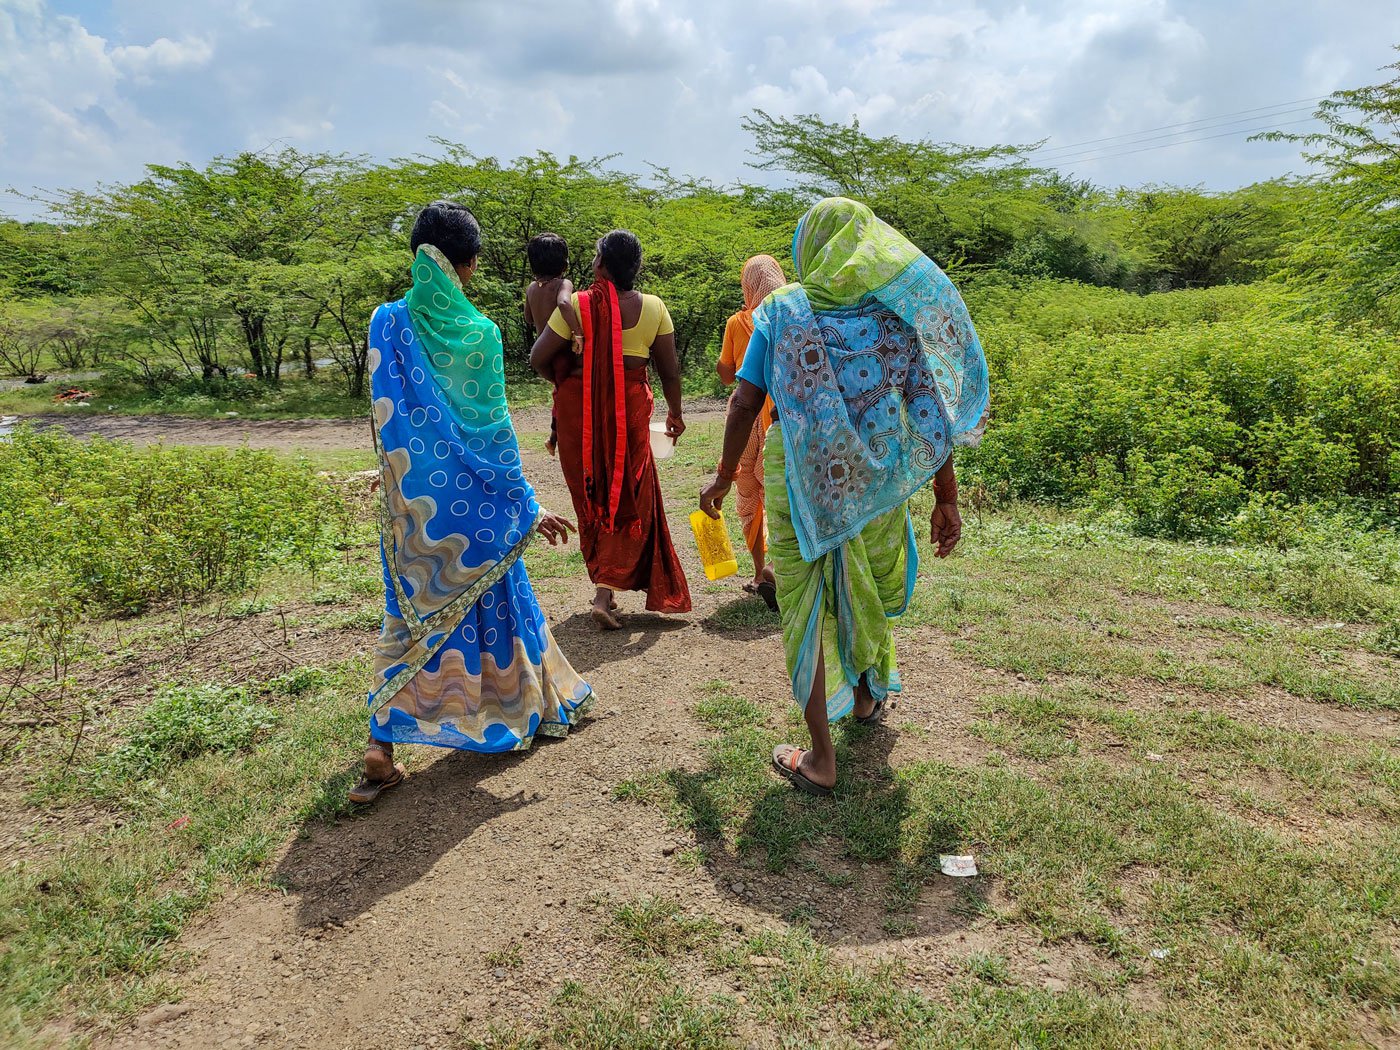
(283,435)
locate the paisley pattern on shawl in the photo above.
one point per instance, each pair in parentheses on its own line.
(875,368)
(465,658)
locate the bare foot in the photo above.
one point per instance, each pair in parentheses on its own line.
(605,619)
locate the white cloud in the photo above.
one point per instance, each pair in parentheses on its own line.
(161,55)
(663,81)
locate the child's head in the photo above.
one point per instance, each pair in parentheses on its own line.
(549,256)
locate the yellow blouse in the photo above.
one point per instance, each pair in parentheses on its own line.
(636,341)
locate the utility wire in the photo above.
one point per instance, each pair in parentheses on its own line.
(1145,138)
(1185,124)
(1092,156)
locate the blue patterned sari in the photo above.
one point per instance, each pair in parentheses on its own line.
(876,373)
(465,658)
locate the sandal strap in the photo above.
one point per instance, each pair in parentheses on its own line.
(794,759)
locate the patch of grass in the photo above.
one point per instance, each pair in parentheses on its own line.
(346,582)
(549,563)
(511,958)
(1332,774)
(87,932)
(789,990)
(1270,938)
(1333,679)
(632,1012)
(989,969)
(1386,641)
(656,927)
(183,723)
(368,618)
(741,614)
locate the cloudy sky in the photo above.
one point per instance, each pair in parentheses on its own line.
(92,90)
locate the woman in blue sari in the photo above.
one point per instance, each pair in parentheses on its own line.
(465,658)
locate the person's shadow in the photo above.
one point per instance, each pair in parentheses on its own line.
(745,617)
(588,648)
(860,866)
(341,868)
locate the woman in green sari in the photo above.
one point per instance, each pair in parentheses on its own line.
(875,372)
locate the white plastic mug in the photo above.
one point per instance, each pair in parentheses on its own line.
(662,447)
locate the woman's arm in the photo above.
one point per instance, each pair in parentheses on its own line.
(668,368)
(725,366)
(744,408)
(945,523)
(543,352)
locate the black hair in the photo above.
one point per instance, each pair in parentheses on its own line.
(621,253)
(548,255)
(450,227)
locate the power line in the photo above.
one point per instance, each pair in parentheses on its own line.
(1145,138)
(1092,156)
(1185,124)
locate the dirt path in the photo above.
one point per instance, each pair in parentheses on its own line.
(285,435)
(384,928)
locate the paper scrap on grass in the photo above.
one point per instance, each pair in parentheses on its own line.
(959,867)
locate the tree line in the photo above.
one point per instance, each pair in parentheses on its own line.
(261,260)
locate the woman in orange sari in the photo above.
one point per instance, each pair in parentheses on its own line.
(762,274)
(604,412)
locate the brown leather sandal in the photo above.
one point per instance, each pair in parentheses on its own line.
(367,790)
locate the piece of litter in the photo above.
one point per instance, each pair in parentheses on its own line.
(1160,953)
(956,866)
(1152,756)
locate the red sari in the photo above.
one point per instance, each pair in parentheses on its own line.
(605,449)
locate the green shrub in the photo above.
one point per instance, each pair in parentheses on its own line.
(1178,406)
(121,527)
(184,722)
(1184,494)
(1387,639)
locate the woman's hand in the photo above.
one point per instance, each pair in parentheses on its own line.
(556,529)
(712,495)
(675,426)
(945,528)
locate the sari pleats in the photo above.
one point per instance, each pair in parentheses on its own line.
(634,552)
(841,605)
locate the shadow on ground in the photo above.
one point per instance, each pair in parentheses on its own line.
(746,618)
(589,648)
(340,869)
(860,867)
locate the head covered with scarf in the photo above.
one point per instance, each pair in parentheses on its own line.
(457,508)
(867,418)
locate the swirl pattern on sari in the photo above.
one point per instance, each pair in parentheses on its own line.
(465,658)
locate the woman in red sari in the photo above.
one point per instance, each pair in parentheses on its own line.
(604,413)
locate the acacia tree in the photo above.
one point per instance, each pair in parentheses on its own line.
(198,244)
(959,204)
(1346,259)
(24,336)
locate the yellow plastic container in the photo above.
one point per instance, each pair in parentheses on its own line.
(716,551)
